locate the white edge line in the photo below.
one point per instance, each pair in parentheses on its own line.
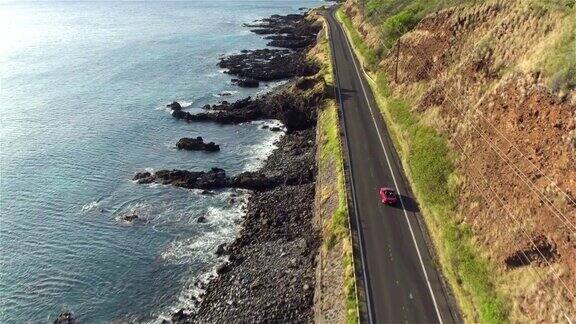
(395,183)
(355,203)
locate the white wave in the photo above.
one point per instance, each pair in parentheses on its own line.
(225,93)
(261,151)
(223,226)
(183,103)
(141,208)
(90,206)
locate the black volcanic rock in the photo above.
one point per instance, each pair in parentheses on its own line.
(196,144)
(174,106)
(255,181)
(143,177)
(246,83)
(293,33)
(213,179)
(129,217)
(65,318)
(268,65)
(295,108)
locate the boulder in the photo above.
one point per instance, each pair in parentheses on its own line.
(174,106)
(221,249)
(196,144)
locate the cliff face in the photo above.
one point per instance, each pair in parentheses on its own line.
(495,79)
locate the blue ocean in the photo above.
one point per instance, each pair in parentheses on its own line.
(83,93)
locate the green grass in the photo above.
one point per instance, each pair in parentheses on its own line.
(563,5)
(394,18)
(429,164)
(331,155)
(370,56)
(560,64)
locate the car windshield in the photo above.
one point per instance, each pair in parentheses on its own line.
(389,193)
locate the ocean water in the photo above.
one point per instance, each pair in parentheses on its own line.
(83,89)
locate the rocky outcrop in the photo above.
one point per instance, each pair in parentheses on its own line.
(196,144)
(292,32)
(255,181)
(213,179)
(293,105)
(296,167)
(268,65)
(246,83)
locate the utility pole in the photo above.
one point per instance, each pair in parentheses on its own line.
(397,60)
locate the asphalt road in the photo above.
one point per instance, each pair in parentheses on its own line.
(399,280)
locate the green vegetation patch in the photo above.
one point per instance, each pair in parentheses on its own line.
(330,155)
(560,64)
(370,56)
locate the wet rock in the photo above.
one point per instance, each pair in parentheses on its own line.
(202,219)
(255,181)
(196,144)
(221,249)
(65,318)
(180,316)
(129,217)
(275,129)
(268,65)
(214,179)
(246,83)
(222,268)
(143,177)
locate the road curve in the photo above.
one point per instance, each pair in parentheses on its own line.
(399,280)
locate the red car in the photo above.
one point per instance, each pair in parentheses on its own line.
(388,196)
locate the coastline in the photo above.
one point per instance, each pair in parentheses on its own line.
(268,271)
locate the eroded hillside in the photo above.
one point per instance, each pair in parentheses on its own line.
(496,79)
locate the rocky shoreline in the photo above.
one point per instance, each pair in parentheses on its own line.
(268,272)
